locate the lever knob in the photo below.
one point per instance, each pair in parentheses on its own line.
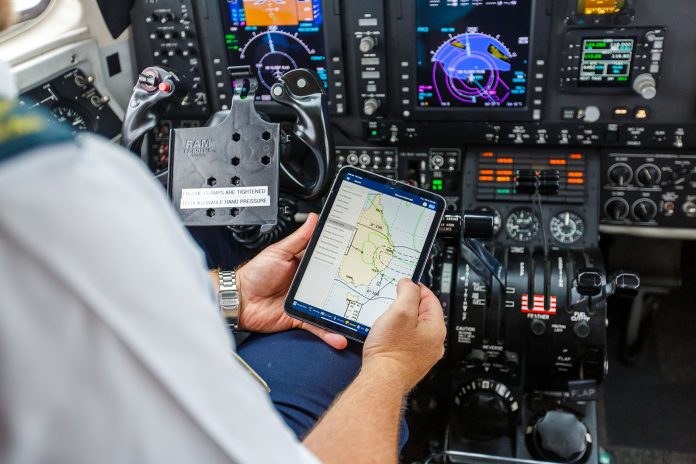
(559,437)
(589,282)
(645,86)
(626,284)
(478,225)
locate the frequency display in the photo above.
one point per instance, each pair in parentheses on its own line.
(274,37)
(606,62)
(473,53)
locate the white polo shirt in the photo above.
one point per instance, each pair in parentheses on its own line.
(112,349)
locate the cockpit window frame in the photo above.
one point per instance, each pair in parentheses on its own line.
(33,12)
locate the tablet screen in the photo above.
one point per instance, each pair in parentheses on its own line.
(373,237)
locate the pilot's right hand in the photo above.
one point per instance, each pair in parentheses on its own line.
(408,339)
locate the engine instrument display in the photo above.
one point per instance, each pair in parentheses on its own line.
(274,37)
(606,62)
(567,227)
(473,54)
(522,225)
(600,7)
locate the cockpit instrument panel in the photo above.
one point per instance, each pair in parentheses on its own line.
(274,37)
(473,54)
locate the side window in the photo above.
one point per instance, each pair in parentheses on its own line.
(30,9)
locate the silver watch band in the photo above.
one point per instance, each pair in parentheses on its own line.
(228,298)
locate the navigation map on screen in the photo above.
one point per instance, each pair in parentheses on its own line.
(373,238)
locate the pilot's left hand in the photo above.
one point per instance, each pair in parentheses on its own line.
(264,282)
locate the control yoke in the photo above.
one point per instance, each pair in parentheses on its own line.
(154,86)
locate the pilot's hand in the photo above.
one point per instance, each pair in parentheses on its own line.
(264,282)
(408,339)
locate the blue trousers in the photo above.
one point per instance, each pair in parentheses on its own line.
(305,375)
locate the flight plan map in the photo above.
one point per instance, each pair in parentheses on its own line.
(372,238)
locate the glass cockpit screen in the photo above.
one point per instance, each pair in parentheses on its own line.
(473,53)
(274,37)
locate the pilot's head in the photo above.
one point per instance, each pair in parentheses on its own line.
(6,14)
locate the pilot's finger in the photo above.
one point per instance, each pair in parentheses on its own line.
(298,240)
(407,299)
(430,307)
(334,340)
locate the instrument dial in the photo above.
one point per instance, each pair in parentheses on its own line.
(522,225)
(73,117)
(567,227)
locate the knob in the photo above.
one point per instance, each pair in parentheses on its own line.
(538,327)
(644,210)
(367,43)
(370,106)
(620,174)
(617,209)
(689,209)
(486,409)
(625,284)
(166,17)
(559,437)
(645,86)
(582,329)
(592,114)
(648,175)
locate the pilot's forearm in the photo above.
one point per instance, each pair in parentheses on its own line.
(363,424)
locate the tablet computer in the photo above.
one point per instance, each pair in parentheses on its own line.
(372,232)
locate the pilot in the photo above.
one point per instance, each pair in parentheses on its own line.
(112,347)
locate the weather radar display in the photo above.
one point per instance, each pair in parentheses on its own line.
(473,53)
(274,37)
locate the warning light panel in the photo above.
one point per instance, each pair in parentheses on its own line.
(497,173)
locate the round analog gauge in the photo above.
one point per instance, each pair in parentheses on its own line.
(567,227)
(522,225)
(73,117)
(497,218)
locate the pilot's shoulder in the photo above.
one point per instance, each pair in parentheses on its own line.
(89,167)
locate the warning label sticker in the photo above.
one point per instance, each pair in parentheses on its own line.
(231,197)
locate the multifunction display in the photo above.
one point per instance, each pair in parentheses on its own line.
(274,37)
(606,62)
(473,53)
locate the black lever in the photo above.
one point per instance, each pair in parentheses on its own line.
(589,282)
(303,91)
(154,85)
(624,284)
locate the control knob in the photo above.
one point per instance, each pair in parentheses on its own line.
(620,174)
(486,409)
(644,210)
(367,44)
(559,436)
(617,209)
(645,86)
(370,106)
(648,175)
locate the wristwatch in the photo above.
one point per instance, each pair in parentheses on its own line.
(228,297)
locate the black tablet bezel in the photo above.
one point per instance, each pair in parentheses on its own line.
(420,266)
